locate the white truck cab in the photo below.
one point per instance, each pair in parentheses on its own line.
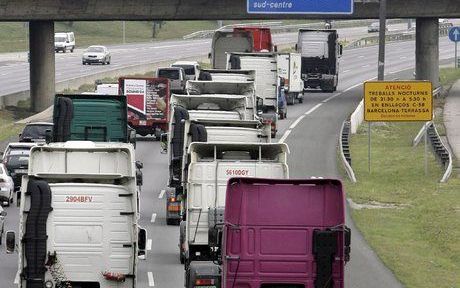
(78,216)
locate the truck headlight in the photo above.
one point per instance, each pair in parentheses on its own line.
(49,284)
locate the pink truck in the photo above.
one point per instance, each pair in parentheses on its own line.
(279,234)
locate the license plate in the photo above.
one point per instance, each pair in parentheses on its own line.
(142,122)
(20,171)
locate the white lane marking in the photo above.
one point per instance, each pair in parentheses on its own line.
(313,109)
(16,278)
(3,74)
(149,245)
(162,193)
(296,122)
(151,281)
(346,71)
(154,217)
(285,135)
(330,98)
(24,80)
(403,57)
(365,66)
(300,118)
(360,56)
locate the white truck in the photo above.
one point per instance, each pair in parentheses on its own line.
(79,217)
(211,165)
(289,70)
(321,51)
(266,81)
(64,41)
(205,117)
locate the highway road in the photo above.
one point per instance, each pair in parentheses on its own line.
(14,68)
(312,140)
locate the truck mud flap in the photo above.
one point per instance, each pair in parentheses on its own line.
(324,249)
(198,132)
(63,119)
(35,236)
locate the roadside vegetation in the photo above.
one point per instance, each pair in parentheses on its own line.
(14,35)
(418,237)
(8,128)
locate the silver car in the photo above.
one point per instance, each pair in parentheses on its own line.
(96,54)
(6,187)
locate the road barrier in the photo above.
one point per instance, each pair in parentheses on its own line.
(344,147)
(441,150)
(394,37)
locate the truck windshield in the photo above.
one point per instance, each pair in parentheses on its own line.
(18,160)
(189,69)
(96,49)
(59,39)
(170,74)
(36,131)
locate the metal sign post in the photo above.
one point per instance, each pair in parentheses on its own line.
(426,149)
(454,36)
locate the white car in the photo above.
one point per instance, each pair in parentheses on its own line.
(6,187)
(96,54)
(2,223)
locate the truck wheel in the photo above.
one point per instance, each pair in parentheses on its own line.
(301,100)
(71,50)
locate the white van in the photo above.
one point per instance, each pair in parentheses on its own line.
(64,41)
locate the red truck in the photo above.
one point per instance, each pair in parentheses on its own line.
(262,38)
(148,104)
(278,233)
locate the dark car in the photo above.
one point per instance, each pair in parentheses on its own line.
(35,132)
(16,161)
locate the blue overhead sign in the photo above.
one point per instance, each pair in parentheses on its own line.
(454,34)
(300,6)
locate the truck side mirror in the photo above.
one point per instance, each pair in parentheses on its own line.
(341,49)
(139,165)
(48,136)
(141,243)
(10,242)
(296,46)
(209,55)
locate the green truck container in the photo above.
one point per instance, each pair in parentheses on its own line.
(99,118)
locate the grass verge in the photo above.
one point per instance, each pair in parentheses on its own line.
(419,242)
(8,128)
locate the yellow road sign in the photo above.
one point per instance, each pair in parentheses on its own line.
(387,101)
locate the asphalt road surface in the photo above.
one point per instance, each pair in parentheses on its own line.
(14,68)
(312,141)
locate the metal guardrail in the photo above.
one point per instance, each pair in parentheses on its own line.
(277,27)
(396,36)
(442,153)
(344,146)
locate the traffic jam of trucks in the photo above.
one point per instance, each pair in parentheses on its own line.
(79,199)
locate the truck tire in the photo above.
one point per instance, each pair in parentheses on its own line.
(205,76)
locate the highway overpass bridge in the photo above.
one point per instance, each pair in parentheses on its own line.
(43,13)
(66,10)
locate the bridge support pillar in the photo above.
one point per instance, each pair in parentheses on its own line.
(427,50)
(42,64)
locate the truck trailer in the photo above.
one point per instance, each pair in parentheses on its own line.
(148,104)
